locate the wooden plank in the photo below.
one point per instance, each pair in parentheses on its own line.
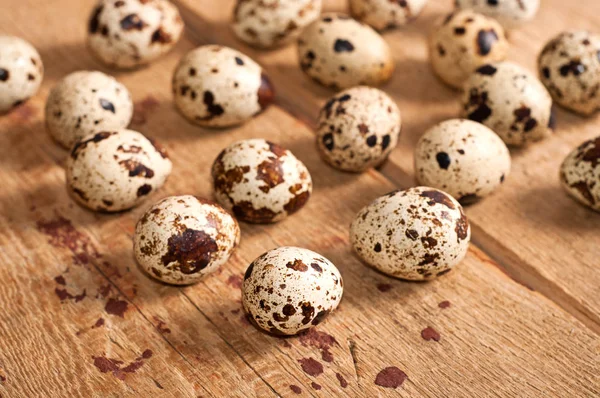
(497,338)
(554,234)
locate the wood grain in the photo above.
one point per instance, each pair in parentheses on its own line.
(539,235)
(497,337)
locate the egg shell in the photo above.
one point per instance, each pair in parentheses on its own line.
(290,289)
(217,86)
(385,14)
(260,182)
(115,170)
(271,23)
(511,101)
(340,52)
(416,234)
(580,173)
(181,239)
(463,158)
(21,72)
(510,13)
(569,67)
(463,42)
(86,102)
(358,128)
(131,33)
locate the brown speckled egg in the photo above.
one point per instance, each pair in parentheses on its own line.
(115,170)
(358,128)
(86,102)
(580,173)
(132,33)
(271,23)
(463,42)
(384,14)
(463,158)
(218,86)
(416,234)
(340,52)
(21,72)
(290,289)
(511,101)
(510,13)
(569,67)
(181,239)
(260,182)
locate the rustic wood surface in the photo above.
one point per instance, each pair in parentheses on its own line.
(79,318)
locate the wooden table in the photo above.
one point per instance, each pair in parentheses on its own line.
(519,318)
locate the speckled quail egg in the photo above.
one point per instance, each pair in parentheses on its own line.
(115,170)
(271,23)
(85,102)
(569,67)
(132,33)
(511,101)
(463,158)
(181,239)
(358,128)
(340,52)
(217,86)
(416,234)
(21,72)
(260,181)
(580,173)
(463,42)
(510,13)
(384,14)
(290,289)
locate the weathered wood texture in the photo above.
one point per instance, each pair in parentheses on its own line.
(79,318)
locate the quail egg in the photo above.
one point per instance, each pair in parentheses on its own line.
(271,23)
(416,234)
(290,289)
(181,239)
(358,128)
(463,42)
(131,33)
(509,100)
(217,86)
(21,72)
(260,181)
(340,52)
(384,14)
(569,67)
(463,158)
(580,173)
(115,170)
(510,13)
(85,102)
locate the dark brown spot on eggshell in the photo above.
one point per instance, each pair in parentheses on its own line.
(297,202)
(245,210)
(161,37)
(191,250)
(94,22)
(297,265)
(81,145)
(438,197)
(266,92)
(144,190)
(270,172)
(4,75)
(132,22)
(486,40)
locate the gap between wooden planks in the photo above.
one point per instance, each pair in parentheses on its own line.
(540,236)
(493,330)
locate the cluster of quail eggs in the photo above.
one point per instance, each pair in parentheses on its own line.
(416,234)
